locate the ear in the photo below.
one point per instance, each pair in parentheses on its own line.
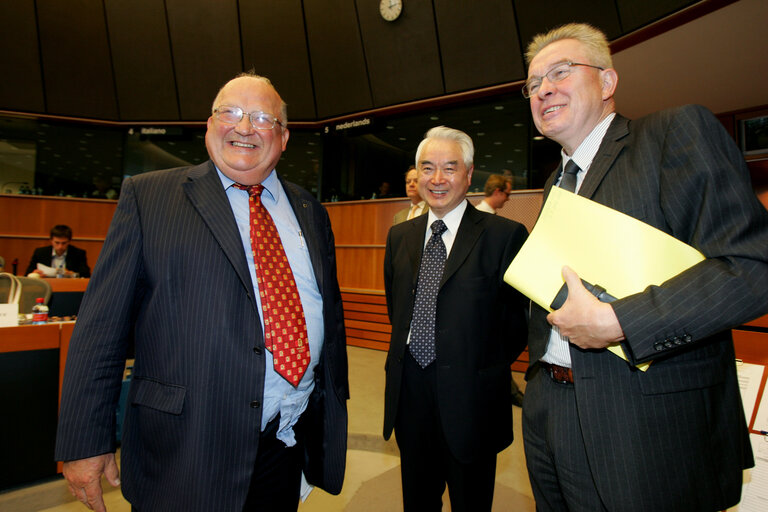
(469,173)
(610,80)
(285,136)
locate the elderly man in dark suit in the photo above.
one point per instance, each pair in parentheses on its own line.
(456,329)
(61,254)
(223,413)
(599,433)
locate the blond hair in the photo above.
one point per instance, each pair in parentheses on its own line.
(593,39)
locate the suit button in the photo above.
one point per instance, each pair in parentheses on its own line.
(687,338)
(677,340)
(668,344)
(255,404)
(658,346)
(257,350)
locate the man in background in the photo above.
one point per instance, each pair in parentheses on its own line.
(61,255)
(599,433)
(418,206)
(456,329)
(497,190)
(236,391)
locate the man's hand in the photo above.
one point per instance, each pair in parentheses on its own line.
(587,322)
(84,479)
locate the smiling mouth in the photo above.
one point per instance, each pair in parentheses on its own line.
(553,109)
(438,192)
(238,144)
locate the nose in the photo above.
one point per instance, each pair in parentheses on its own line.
(244,126)
(438,176)
(546,88)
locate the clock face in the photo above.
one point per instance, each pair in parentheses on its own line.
(390,9)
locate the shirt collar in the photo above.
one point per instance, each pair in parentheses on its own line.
(271,184)
(587,150)
(451,219)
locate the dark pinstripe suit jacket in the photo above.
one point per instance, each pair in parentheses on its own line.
(673,438)
(481,328)
(173,275)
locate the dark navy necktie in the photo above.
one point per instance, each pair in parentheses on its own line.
(422,343)
(568,181)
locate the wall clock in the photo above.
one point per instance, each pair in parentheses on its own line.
(390,9)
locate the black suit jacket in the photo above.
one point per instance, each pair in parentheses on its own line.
(481,328)
(76,260)
(173,274)
(674,437)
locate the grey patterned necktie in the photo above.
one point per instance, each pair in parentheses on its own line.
(568,181)
(422,344)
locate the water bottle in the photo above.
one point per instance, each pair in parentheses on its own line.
(39,312)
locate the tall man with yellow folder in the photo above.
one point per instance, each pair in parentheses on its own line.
(600,434)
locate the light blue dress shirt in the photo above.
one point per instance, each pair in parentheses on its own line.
(279,395)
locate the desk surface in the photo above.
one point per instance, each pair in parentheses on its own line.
(68,284)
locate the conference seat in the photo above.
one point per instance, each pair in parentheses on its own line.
(31,289)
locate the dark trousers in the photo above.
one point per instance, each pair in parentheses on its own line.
(426,461)
(560,475)
(276,480)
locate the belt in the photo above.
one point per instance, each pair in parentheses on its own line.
(557,373)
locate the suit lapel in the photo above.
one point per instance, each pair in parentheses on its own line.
(609,150)
(310,228)
(205,192)
(414,243)
(469,231)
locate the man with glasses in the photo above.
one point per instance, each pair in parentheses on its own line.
(599,433)
(225,277)
(497,190)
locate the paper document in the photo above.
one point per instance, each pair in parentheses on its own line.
(603,246)
(46,270)
(761,418)
(750,376)
(754,496)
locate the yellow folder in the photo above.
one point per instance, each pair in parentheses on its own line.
(603,246)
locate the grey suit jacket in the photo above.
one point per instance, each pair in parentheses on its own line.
(173,275)
(481,328)
(402,215)
(673,438)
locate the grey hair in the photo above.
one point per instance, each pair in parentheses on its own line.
(445,133)
(250,74)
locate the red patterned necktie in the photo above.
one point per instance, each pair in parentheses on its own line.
(284,327)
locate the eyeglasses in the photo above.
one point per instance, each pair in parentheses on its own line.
(557,74)
(259,120)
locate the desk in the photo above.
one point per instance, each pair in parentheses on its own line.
(29,379)
(66,295)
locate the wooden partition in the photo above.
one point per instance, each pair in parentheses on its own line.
(27,221)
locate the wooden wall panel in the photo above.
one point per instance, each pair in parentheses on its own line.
(363,222)
(77,66)
(494,53)
(338,64)
(21,87)
(538,16)
(28,221)
(360,267)
(402,56)
(205,38)
(275,45)
(141,55)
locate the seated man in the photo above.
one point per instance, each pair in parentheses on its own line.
(60,255)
